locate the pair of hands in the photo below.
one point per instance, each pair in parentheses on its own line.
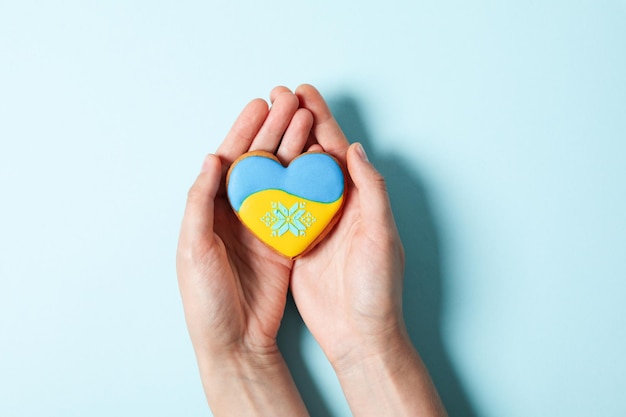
(348,289)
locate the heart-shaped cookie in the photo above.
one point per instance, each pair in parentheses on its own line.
(290,209)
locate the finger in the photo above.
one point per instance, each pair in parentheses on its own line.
(197,222)
(311,140)
(276,91)
(373,198)
(325,127)
(315,148)
(276,123)
(243,131)
(295,136)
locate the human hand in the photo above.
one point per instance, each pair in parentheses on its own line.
(234,287)
(348,289)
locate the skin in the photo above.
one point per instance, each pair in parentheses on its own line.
(348,288)
(233,287)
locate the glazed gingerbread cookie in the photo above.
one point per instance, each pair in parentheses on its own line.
(290,209)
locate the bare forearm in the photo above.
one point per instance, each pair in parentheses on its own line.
(391,382)
(236,386)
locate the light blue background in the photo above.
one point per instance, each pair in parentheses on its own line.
(501,127)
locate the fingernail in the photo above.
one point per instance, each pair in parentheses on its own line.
(361,152)
(205,163)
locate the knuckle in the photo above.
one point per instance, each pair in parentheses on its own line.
(194,193)
(379,182)
(192,252)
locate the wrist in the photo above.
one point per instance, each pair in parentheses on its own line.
(366,338)
(238,359)
(389,379)
(382,350)
(243,382)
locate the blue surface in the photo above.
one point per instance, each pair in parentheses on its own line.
(500,128)
(314,176)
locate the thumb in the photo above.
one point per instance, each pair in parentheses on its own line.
(370,184)
(198,218)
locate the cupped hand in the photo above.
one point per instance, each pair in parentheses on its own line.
(348,289)
(233,286)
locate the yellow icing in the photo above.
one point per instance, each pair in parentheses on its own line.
(286,222)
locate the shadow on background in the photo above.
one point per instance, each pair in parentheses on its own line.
(291,332)
(423,297)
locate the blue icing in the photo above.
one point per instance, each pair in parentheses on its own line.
(314,176)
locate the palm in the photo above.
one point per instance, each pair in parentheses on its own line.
(234,288)
(260,276)
(349,286)
(335,280)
